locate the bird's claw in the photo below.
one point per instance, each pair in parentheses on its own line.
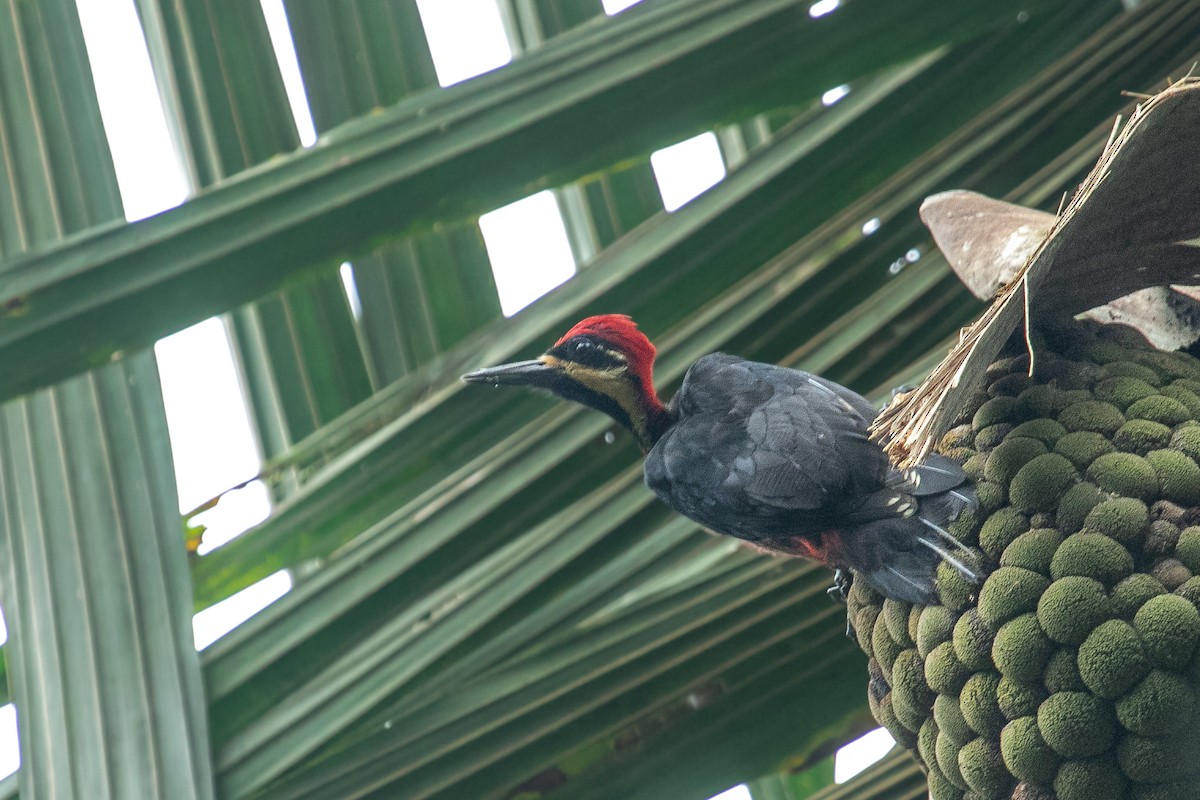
(842,581)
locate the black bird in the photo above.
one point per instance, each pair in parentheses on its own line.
(777,457)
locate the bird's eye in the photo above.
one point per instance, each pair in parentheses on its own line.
(589,352)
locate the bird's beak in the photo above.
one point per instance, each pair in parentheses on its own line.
(520,373)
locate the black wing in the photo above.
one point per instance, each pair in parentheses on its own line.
(761,451)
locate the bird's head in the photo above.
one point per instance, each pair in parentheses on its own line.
(604,362)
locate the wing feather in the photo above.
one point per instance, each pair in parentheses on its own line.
(761,451)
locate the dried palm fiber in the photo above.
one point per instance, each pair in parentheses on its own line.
(1073,670)
(1133,224)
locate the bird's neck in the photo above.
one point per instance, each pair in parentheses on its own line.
(650,422)
(630,400)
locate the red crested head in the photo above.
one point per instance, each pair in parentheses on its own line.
(603,362)
(620,333)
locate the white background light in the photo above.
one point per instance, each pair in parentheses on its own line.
(823,7)
(217,620)
(687,169)
(617,6)
(210,430)
(833,95)
(289,69)
(529,250)
(148,170)
(864,751)
(466,37)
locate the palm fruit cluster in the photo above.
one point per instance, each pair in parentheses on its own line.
(1073,670)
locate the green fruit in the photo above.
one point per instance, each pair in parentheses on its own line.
(1112,659)
(1092,415)
(935,626)
(1140,436)
(1125,519)
(1161,704)
(1187,549)
(1062,672)
(1092,555)
(1187,441)
(1072,671)
(1178,476)
(991,437)
(1081,448)
(1019,699)
(1125,474)
(995,411)
(1090,779)
(912,698)
(1036,401)
(1071,607)
(1010,455)
(1000,529)
(1190,400)
(1077,724)
(944,672)
(982,767)
(884,647)
(1170,629)
(955,591)
(895,616)
(1128,369)
(1040,484)
(1159,759)
(1075,505)
(1132,593)
(1123,391)
(1158,408)
(947,751)
(950,721)
(1026,753)
(1033,550)
(1021,650)
(1009,592)
(980,706)
(1047,431)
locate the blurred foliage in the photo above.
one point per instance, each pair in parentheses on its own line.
(488,603)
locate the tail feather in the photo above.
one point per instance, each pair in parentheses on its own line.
(948,506)
(936,475)
(943,544)
(899,553)
(888,557)
(920,592)
(966,497)
(935,511)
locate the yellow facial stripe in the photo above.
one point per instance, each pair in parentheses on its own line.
(598,380)
(611,382)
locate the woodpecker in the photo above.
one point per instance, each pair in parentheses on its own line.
(777,457)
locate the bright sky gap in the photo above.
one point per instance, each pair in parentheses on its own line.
(289,69)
